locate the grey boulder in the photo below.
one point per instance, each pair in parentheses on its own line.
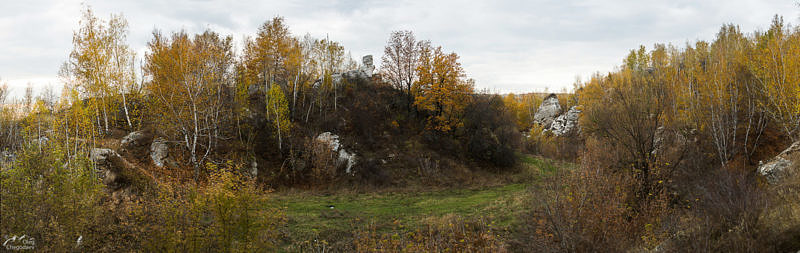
(782,165)
(548,111)
(159,152)
(566,122)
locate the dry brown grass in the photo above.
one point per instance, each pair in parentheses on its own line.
(449,233)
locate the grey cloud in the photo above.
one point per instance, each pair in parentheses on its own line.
(505,45)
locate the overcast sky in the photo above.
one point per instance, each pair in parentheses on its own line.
(506,46)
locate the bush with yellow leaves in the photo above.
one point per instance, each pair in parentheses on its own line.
(229,214)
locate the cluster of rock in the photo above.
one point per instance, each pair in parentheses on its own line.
(566,122)
(366,71)
(135,138)
(159,152)
(782,165)
(345,159)
(158,147)
(110,166)
(551,118)
(113,169)
(548,111)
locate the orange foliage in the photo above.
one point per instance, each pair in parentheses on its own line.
(441,88)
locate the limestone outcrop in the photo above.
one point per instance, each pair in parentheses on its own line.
(548,111)
(159,152)
(133,139)
(550,117)
(566,122)
(110,166)
(365,72)
(345,159)
(782,165)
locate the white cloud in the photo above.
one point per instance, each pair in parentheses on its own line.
(506,46)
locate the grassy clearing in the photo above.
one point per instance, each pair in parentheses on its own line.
(314,216)
(538,165)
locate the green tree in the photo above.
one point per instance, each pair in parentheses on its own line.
(279,106)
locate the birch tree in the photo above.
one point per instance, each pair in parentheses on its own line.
(279,106)
(776,68)
(271,56)
(188,79)
(102,63)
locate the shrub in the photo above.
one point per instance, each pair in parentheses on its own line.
(50,199)
(731,213)
(587,210)
(491,132)
(566,147)
(536,139)
(229,214)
